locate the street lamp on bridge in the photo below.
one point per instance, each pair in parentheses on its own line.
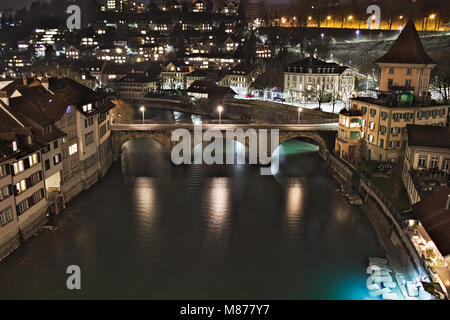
(220,110)
(142,109)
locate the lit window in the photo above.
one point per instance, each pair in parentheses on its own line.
(73,149)
(14,145)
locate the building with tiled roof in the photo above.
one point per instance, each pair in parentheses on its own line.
(306,79)
(406,65)
(54,142)
(426,166)
(403,98)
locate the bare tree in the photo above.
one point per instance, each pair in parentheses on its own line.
(441,77)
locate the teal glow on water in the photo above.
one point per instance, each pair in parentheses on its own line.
(153,230)
(293,147)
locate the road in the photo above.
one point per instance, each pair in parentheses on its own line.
(283,127)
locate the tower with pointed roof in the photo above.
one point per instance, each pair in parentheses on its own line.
(406,66)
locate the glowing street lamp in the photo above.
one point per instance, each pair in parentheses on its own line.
(220,110)
(283,20)
(142,109)
(328,19)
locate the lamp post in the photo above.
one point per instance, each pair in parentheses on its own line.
(142,109)
(220,110)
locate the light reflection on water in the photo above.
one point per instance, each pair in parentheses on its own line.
(153,230)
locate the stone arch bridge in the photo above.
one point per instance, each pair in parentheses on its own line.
(162,133)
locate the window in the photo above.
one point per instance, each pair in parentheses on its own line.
(73,149)
(88,122)
(47,164)
(408,83)
(408,71)
(373,112)
(422,162)
(14,146)
(102,130)
(5,192)
(55,144)
(56,159)
(390,83)
(446,165)
(33,159)
(4,170)
(372,125)
(6,216)
(89,138)
(37,196)
(381,143)
(18,167)
(391,70)
(87,107)
(370,138)
(46,149)
(434,164)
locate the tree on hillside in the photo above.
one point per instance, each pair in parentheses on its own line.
(440,80)
(271,78)
(122,112)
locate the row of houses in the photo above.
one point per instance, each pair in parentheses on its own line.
(178,76)
(55,141)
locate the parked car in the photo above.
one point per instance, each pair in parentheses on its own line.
(278,99)
(249,95)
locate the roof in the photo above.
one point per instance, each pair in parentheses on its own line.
(79,95)
(428,136)
(407,48)
(435,219)
(138,77)
(315,65)
(198,73)
(209,87)
(350,112)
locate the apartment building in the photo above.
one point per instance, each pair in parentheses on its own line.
(89,114)
(27,117)
(241,77)
(135,86)
(173,75)
(386,116)
(310,78)
(9,226)
(427,160)
(211,61)
(349,134)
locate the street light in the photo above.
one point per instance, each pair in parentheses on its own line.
(299,112)
(220,110)
(142,110)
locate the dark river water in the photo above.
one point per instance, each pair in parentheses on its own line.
(153,230)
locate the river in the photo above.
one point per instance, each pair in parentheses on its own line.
(153,230)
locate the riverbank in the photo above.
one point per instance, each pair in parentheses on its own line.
(389,235)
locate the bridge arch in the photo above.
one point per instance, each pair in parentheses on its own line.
(313,137)
(119,140)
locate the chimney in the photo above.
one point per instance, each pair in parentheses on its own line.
(447,204)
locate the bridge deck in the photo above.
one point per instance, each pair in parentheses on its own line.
(222,127)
